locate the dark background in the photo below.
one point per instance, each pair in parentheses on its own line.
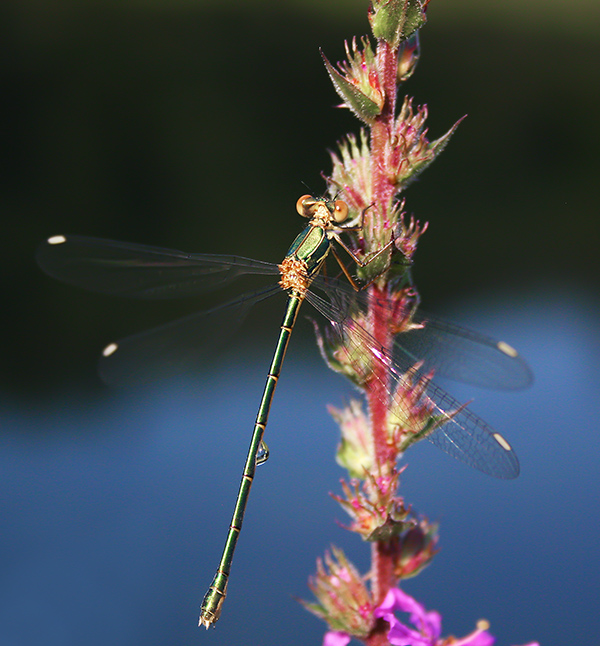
(193,129)
(184,126)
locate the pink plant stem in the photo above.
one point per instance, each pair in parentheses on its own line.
(382,575)
(381,129)
(382,578)
(378,636)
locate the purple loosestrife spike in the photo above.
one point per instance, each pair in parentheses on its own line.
(371,170)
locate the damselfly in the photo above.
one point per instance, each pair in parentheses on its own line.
(154,273)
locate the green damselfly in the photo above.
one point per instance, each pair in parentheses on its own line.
(154,273)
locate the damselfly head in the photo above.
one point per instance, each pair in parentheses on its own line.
(307,206)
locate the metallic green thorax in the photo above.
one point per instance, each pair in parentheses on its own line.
(306,256)
(312,246)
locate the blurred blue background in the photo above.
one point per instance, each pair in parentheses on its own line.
(181,125)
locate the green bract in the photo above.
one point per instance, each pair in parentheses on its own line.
(354,99)
(396,20)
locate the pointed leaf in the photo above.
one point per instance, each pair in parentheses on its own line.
(436,147)
(353,98)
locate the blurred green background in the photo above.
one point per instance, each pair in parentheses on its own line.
(186,125)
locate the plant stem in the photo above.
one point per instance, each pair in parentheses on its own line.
(382,576)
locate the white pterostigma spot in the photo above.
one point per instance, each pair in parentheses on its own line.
(502,442)
(109,349)
(507,349)
(57,240)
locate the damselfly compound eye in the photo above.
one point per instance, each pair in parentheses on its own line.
(306,206)
(340,210)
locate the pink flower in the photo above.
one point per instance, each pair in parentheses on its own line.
(426,626)
(336,638)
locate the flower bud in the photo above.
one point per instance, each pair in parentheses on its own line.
(396,20)
(416,549)
(377,513)
(343,599)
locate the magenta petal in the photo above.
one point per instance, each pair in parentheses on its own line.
(401,635)
(395,599)
(336,638)
(483,639)
(477,638)
(387,606)
(429,623)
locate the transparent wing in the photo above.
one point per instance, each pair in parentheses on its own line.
(141,271)
(463,435)
(464,355)
(471,440)
(451,350)
(176,347)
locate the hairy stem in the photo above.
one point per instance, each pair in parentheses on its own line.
(382,576)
